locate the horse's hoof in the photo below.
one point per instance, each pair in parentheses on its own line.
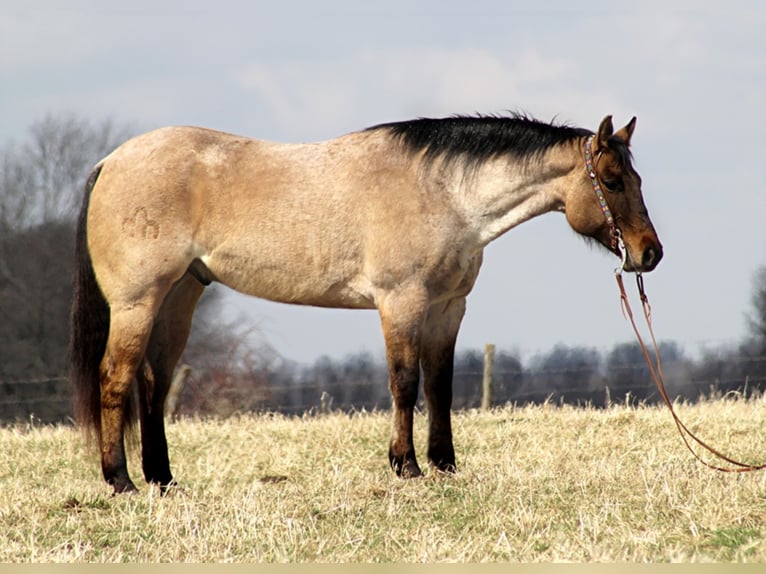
(411,471)
(446,468)
(170,488)
(124,488)
(443,460)
(407,469)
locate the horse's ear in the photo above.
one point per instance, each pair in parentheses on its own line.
(605,131)
(624,134)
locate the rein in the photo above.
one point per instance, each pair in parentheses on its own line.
(655,367)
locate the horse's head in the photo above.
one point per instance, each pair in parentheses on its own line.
(607,205)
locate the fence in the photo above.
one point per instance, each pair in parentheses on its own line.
(469,391)
(49,399)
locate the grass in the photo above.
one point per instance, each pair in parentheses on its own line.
(544,483)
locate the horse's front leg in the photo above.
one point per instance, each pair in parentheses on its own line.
(402,315)
(437,359)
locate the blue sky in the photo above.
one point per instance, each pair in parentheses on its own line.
(693,72)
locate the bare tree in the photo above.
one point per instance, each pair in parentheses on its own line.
(757,317)
(42,179)
(565,368)
(41,182)
(230,369)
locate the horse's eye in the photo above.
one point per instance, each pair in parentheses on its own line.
(613,185)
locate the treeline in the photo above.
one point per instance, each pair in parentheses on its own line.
(41,182)
(573,375)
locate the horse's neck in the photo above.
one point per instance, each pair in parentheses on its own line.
(504,193)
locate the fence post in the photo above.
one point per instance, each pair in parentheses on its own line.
(487,380)
(325,403)
(176,387)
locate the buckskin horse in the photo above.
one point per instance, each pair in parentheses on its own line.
(394,217)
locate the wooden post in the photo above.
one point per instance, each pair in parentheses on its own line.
(489,370)
(325,403)
(176,386)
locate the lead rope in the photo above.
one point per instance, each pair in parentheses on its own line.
(655,369)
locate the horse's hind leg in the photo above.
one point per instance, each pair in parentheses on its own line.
(437,358)
(166,344)
(129,331)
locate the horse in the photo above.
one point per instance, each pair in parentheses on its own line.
(394,217)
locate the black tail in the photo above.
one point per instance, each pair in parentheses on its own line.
(89,326)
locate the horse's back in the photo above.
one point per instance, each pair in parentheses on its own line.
(279,221)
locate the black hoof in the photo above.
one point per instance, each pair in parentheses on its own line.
(442,459)
(447,468)
(405,467)
(167,488)
(443,464)
(124,486)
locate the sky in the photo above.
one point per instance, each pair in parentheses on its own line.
(693,72)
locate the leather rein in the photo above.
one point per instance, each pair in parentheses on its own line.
(655,367)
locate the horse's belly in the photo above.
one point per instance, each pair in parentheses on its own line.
(297,284)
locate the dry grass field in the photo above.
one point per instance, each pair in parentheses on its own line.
(536,484)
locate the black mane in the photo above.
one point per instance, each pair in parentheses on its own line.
(476,139)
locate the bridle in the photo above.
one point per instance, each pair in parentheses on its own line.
(655,367)
(614,231)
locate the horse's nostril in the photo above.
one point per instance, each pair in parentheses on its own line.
(651,257)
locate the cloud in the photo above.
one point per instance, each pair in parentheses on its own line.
(302,98)
(317,96)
